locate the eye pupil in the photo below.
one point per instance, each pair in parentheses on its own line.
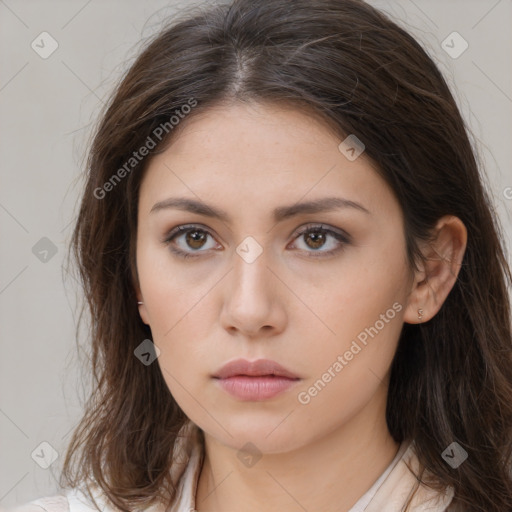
(318,239)
(194,238)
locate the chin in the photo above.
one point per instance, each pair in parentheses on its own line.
(267,434)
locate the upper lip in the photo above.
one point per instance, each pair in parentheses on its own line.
(258,368)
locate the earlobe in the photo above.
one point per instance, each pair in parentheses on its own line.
(142,308)
(442,262)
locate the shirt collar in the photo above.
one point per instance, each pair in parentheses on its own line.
(393,489)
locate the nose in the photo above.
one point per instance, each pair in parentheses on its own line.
(253,302)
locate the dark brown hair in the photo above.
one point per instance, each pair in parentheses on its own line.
(451,378)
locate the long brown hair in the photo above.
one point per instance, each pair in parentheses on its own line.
(451,378)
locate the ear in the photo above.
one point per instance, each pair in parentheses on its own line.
(438,273)
(142,307)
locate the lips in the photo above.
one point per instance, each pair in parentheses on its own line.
(255,381)
(258,368)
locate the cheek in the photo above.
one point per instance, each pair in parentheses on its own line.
(363,288)
(346,373)
(180,316)
(362,312)
(170,291)
(182,360)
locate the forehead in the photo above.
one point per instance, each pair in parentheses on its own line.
(256,125)
(259,154)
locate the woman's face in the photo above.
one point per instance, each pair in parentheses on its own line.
(327,305)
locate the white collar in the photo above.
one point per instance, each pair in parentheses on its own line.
(389,493)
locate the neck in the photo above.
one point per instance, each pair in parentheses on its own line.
(329,474)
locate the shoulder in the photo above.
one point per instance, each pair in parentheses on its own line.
(402,489)
(71,501)
(57,503)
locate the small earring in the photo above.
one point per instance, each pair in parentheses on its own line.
(140,302)
(420,314)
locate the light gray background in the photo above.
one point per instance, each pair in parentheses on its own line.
(47,107)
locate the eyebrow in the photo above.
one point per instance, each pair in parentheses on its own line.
(281,213)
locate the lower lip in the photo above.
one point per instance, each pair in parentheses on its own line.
(256,388)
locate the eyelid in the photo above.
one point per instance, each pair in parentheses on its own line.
(320,226)
(183,228)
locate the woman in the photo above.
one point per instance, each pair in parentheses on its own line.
(297,284)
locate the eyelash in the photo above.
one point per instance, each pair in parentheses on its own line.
(344,239)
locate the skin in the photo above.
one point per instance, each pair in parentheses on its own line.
(297,310)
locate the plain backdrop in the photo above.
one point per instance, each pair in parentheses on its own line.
(47,110)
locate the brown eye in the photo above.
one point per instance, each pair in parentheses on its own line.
(188,241)
(195,239)
(318,237)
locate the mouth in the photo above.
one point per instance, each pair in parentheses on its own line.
(255,381)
